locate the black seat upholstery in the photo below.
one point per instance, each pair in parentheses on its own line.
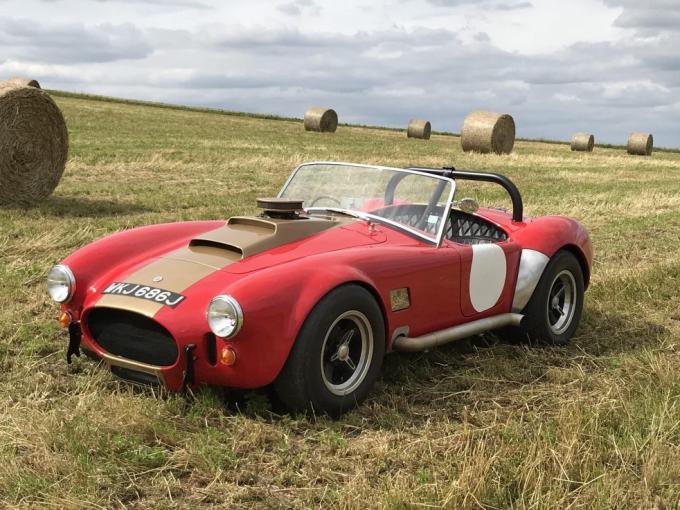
(466,228)
(460,227)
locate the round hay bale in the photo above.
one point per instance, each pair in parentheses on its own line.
(33,144)
(640,144)
(487,132)
(583,142)
(24,82)
(323,120)
(418,128)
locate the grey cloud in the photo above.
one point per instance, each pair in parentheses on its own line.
(24,39)
(386,77)
(648,17)
(190,4)
(645,4)
(286,40)
(503,5)
(297,7)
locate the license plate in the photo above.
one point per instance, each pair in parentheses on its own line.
(162,296)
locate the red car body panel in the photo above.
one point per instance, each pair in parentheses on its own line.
(278,288)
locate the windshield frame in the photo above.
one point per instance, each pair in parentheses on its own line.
(437,241)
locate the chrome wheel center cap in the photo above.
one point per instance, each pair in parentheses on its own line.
(343,352)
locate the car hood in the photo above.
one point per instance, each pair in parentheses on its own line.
(242,245)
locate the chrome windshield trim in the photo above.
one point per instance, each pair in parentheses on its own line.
(437,240)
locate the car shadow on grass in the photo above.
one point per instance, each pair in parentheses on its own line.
(80,207)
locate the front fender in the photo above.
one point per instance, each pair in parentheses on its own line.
(275,303)
(121,251)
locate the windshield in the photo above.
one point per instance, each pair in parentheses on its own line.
(413,201)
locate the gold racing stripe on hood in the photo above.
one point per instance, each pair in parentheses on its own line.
(210,252)
(178,275)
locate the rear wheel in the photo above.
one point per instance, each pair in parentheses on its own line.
(554,311)
(337,355)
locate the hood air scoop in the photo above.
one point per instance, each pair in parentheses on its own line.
(281,208)
(247,236)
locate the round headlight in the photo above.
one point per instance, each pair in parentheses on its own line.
(61,284)
(225,316)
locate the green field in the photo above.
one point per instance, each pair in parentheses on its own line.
(592,425)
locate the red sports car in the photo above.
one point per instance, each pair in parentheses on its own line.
(347,263)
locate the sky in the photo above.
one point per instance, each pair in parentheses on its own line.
(603,66)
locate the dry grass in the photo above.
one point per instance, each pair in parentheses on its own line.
(593,425)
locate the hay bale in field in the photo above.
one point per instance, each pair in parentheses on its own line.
(418,128)
(24,82)
(323,120)
(33,144)
(640,144)
(488,132)
(583,142)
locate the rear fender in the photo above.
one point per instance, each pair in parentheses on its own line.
(541,239)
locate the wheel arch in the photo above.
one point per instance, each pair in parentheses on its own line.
(364,284)
(378,299)
(296,384)
(533,264)
(582,260)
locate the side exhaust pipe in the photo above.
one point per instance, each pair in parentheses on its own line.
(444,336)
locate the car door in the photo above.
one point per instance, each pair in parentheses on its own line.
(488,273)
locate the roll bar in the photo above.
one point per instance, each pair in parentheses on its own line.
(469,175)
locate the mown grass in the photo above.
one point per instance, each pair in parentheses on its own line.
(478,425)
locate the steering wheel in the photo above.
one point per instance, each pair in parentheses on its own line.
(423,222)
(322,197)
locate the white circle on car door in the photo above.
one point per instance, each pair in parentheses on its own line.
(487,276)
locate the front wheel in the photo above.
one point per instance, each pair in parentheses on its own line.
(337,355)
(554,311)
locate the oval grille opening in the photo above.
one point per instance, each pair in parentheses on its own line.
(132,336)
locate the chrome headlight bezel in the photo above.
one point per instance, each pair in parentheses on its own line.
(223,307)
(61,275)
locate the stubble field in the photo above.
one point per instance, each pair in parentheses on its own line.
(477,425)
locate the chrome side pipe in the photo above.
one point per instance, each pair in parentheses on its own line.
(444,336)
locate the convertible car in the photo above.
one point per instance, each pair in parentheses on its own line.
(347,263)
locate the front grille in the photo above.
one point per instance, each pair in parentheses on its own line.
(132,336)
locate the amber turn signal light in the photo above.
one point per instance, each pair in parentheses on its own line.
(227,356)
(64,319)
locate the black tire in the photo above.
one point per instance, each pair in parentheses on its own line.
(311,380)
(554,310)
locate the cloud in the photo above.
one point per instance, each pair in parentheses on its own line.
(297,7)
(190,4)
(386,72)
(24,39)
(648,16)
(502,5)
(649,19)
